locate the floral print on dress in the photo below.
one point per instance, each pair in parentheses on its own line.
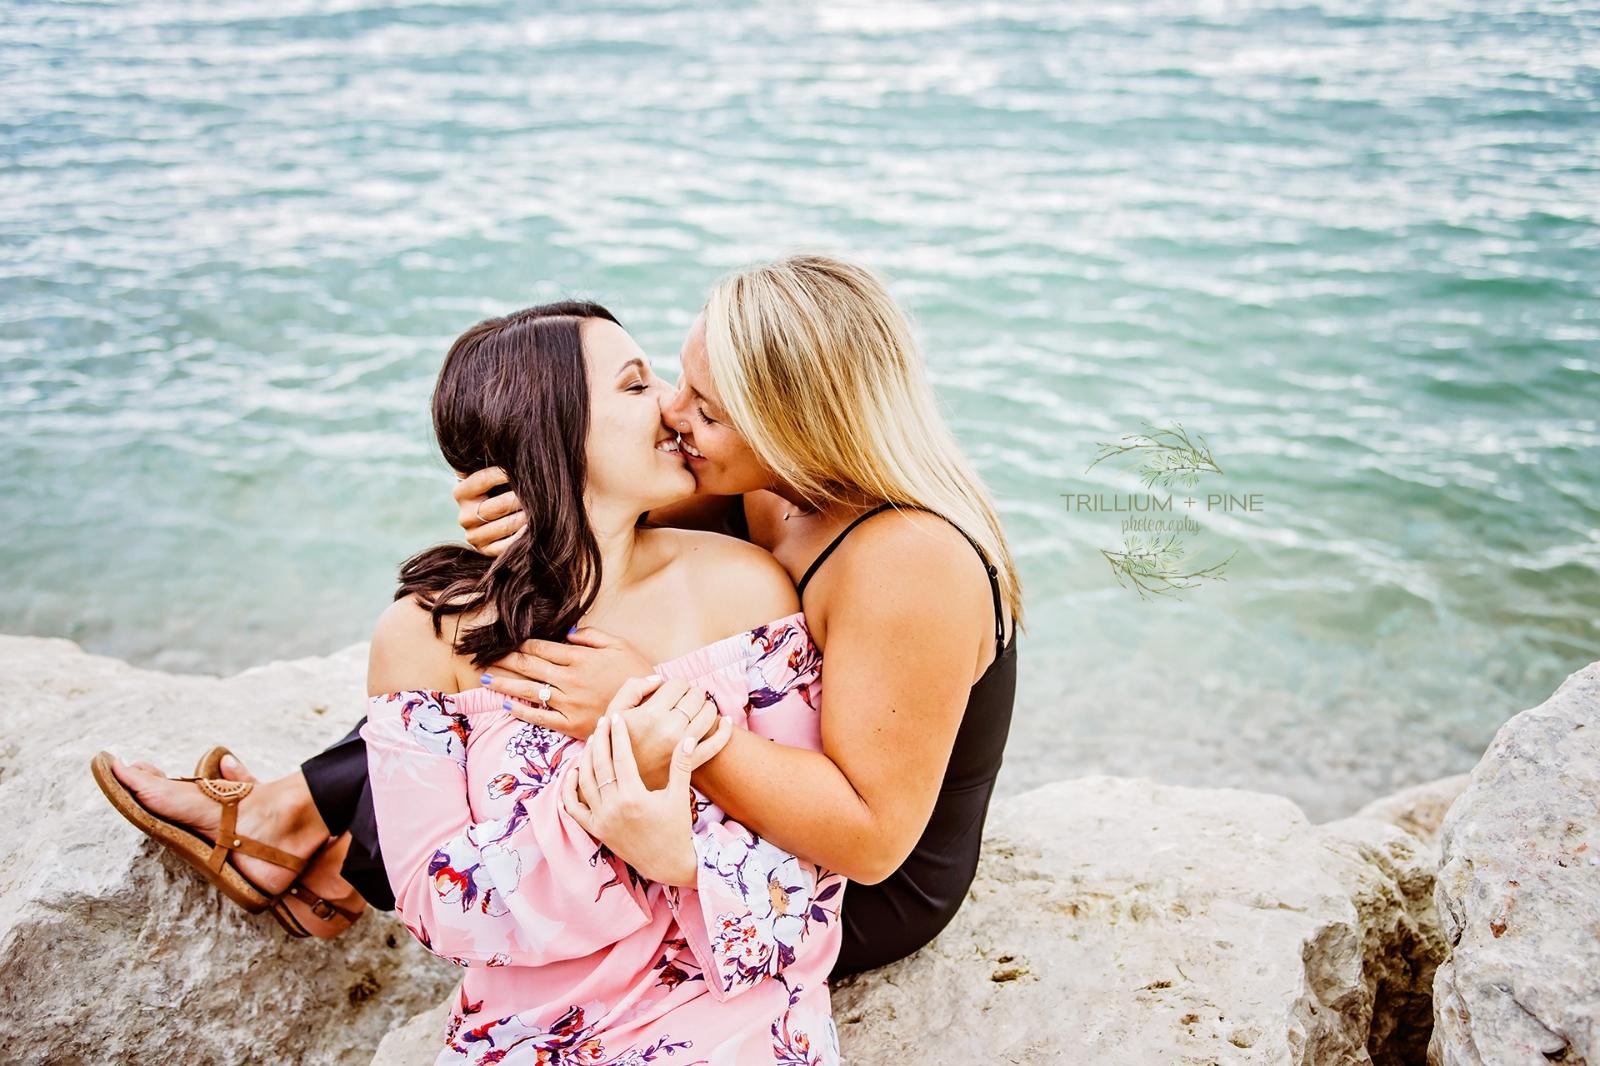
(792,1045)
(785,660)
(428,718)
(773,904)
(537,755)
(676,964)
(476,874)
(569,955)
(569,1039)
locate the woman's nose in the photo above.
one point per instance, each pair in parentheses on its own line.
(672,407)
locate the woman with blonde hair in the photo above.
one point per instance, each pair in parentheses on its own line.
(805,414)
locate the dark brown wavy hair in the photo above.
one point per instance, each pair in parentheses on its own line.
(514,393)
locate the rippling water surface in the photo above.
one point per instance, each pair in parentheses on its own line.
(1354,245)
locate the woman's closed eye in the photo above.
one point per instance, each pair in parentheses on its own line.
(707,419)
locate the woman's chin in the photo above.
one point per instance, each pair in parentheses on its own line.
(674,487)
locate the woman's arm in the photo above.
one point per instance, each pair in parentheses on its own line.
(748,909)
(900,613)
(527,888)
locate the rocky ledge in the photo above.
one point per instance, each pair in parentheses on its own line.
(1113,920)
(113,951)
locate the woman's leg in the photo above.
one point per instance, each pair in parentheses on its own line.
(334,780)
(337,782)
(327,797)
(279,813)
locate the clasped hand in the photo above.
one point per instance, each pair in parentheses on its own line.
(649,829)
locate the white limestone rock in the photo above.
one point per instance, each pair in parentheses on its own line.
(1518,893)
(111,951)
(1116,920)
(1420,809)
(418,1041)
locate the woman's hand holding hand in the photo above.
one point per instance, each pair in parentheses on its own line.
(649,829)
(491,522)
(658,725)
(584,676)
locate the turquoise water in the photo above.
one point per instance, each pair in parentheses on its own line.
(1355,246)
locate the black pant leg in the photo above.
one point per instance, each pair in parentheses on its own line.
(337,779)
(363,865)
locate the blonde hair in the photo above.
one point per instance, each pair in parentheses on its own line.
(816,366)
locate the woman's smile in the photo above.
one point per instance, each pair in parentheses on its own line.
(671,447)
(677,445)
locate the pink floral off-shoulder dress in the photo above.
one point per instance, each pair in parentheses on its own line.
(568,955)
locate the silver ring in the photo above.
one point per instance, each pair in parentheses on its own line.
(478,510)
(609,781)
(544,697)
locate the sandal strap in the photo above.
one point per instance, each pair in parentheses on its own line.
(227,794)
(322,908)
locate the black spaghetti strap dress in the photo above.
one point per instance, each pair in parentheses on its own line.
(893,918)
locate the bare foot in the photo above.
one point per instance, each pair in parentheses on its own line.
(274,813)
(322,877)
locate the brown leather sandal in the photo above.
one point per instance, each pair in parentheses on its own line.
(210,766)
(208,858)
(325,910)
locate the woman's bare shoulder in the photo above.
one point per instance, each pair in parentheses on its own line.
(407,652)
(911,563)
(738,583)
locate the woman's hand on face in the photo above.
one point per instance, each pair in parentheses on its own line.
(584,675)
(491,522)
(649,829)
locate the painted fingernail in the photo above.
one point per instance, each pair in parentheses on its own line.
(652,678)
(229,762)
(571,631)
(688,744)
(485,679)
(505,705)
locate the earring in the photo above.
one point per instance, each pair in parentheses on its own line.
(683,425)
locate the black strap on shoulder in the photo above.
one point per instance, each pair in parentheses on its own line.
(994,583)
(819,560)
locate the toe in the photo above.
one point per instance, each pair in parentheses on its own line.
(234,770)
(128,773)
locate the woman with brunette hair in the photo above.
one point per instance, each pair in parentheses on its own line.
(603,913)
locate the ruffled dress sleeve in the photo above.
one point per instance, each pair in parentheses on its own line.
(754,910)
(525,888)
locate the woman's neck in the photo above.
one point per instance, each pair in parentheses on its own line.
(623,560)
(850,503)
